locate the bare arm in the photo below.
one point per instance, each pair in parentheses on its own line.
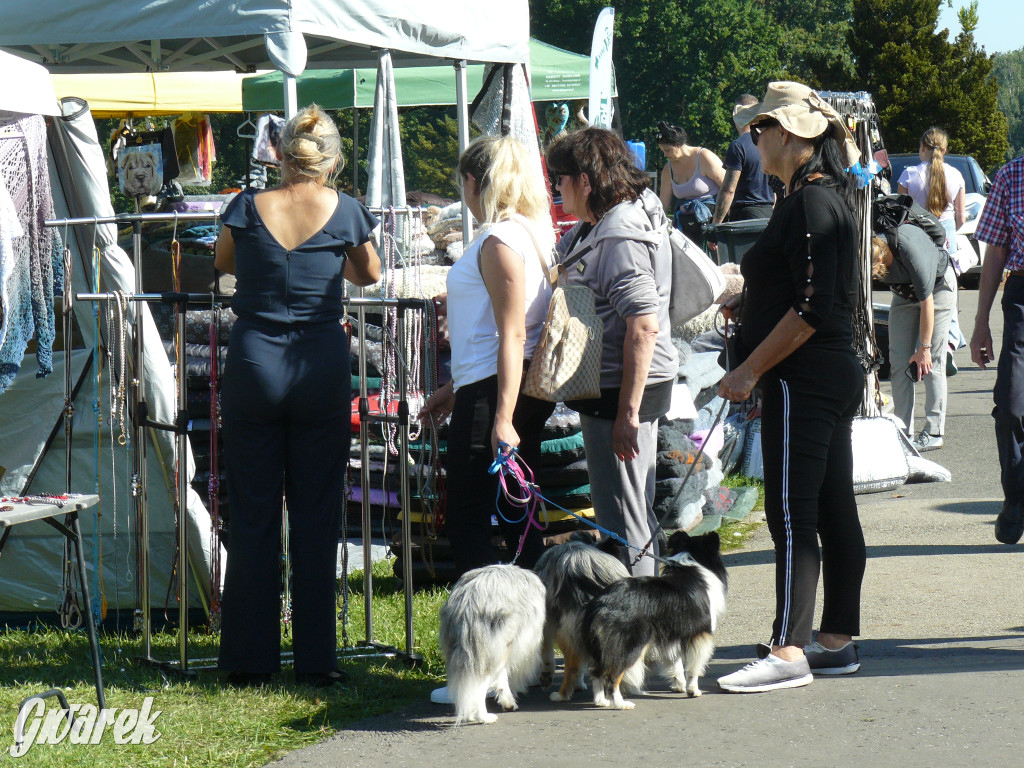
(363,264)
(959,210)
(666,188)
(637,353)
(713,167)
(504,275)
(901,190)
(923,355)
(725,196)
(789,334)
(224,258)
(982,352)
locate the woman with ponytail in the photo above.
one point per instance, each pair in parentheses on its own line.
(497,302)
(286,409)
(935,186)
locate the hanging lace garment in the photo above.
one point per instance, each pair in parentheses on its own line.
(31,263)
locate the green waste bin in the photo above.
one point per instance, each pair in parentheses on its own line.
(734,238)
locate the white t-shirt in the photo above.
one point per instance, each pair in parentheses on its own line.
(471,328)
(915,179)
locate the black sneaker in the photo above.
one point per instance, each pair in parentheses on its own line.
(824,661)
(321,679)
(248,679)
(1010,523)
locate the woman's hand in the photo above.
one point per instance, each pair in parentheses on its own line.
(503,432)
(731,307)
(625,434)
(439,405)
(923,358)
(737,385)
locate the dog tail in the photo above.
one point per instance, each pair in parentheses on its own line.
(633,679)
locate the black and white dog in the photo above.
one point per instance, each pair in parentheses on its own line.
(670,618)
(491,631)
(574,573)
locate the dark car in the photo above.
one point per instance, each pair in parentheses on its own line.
(976,187)
(975,180)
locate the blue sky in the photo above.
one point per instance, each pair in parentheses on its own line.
(1000,24)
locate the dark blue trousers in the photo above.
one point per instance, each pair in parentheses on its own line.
(1008,393)
(286,423)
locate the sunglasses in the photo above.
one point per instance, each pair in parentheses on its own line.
(758,128)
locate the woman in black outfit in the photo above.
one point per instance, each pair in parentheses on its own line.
(802,280)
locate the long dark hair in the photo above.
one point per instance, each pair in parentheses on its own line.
(608,163)
(826,159)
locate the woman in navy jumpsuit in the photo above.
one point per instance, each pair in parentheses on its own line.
(286,402)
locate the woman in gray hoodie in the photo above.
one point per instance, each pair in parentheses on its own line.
(621,252)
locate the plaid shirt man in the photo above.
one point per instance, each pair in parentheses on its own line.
(1002,228)
(1002,221)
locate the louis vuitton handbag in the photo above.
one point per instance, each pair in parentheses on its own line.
(566,363)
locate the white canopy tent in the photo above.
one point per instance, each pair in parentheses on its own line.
(74,36)
(247,35)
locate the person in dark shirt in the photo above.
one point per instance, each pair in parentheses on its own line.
(746,193)
(802,281)
(286,410)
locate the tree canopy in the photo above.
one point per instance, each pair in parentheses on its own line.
(920,79)
(1008,69)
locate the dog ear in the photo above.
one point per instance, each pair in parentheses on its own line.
(678,542)
(712,541)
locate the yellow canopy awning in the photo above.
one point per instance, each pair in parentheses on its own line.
(153,93)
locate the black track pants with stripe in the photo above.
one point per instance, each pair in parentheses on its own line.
(808,408)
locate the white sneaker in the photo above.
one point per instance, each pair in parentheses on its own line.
(442,696)
(926,442)
(768,674)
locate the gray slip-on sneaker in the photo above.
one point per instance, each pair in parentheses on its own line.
(825,661)
(768,674)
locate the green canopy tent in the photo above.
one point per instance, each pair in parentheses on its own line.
(555,75)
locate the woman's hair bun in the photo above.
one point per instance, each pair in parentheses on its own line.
(311,144)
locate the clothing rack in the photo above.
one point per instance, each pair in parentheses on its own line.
(858,111)
(141,422)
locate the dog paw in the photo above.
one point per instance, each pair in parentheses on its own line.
(694,692)
(624,705)
(488,717)
(678,687)
(546,678)
(557,696)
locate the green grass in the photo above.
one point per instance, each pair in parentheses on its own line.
(206,723)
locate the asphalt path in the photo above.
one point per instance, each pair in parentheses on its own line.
(942,647)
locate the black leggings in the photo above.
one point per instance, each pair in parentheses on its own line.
(806,420)
(471,491)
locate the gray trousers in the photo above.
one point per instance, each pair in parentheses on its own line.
(904,325)
(623,491)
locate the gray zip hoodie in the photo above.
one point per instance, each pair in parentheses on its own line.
(629,269)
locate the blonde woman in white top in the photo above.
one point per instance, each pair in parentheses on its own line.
(936,186)
(496,303)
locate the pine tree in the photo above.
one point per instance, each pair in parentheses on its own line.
(1008,70)
(920,79)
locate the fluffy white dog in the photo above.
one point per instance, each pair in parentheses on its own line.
(491,632)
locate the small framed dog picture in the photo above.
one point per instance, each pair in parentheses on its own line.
(140,169)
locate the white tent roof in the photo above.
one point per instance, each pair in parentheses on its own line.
(27,87)
(157,35)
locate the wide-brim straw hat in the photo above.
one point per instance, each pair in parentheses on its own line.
(802,112)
